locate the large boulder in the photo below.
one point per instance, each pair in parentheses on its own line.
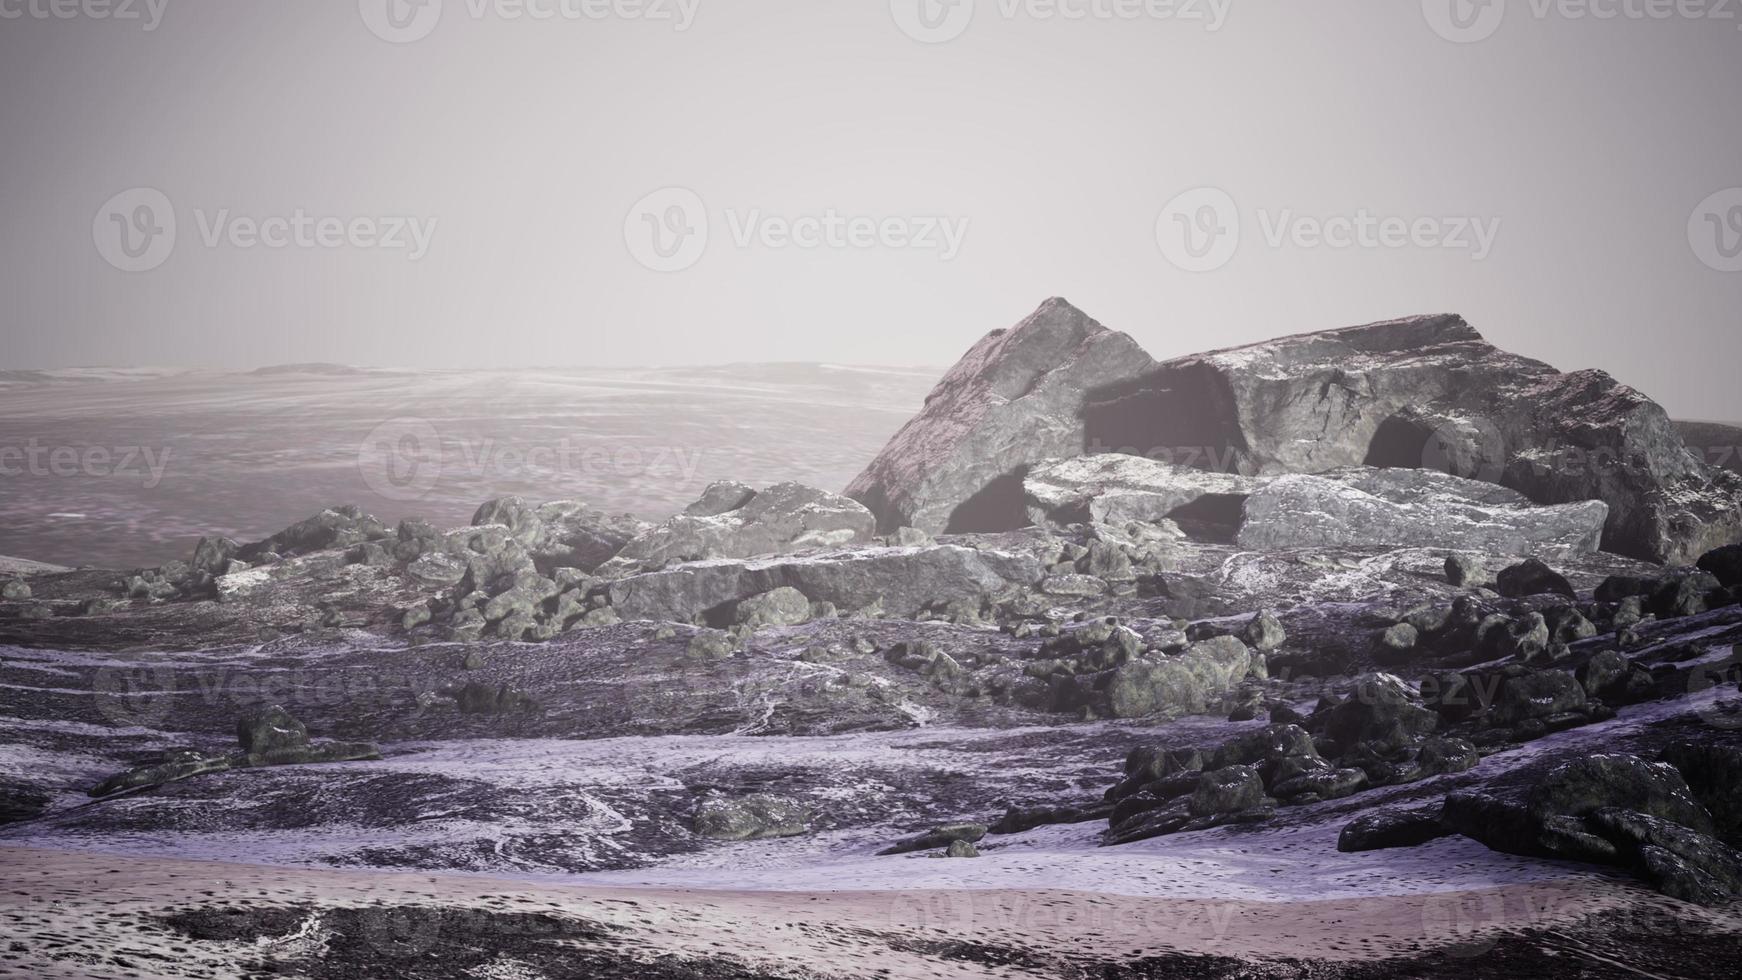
(1114,488)
(1381,713)
(1416,508)
(1587,784)
(1724,564)
(781,519)
(905,581)
(1019,397)
(1611,809)
(1714,775)
(270,729)
(1429,391)
(1180,685)
(755,817)
(1387,828)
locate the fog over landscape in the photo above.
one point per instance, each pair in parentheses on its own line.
(1561,159)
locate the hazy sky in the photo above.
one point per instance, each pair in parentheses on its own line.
(463,183)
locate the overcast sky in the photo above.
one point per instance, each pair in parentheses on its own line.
(864,181)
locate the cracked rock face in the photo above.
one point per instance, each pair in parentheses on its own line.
(1354,507)
(1018,397)
(1420,507)
(1113,488)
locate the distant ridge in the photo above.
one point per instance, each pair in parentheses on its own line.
(319,368)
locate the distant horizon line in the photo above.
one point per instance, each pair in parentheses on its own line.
(312,367)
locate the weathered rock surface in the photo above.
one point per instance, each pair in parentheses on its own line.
(755,817)
(1429,391)
(1112,488)
(1418,508)
(1019,397)
(1389,828)
(1177,685)
(1614,809)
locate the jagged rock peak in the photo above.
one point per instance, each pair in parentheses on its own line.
(1017,397)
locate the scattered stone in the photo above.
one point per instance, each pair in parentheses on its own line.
(712,645)
(270,729)
(1401,638)
(755,817)
(785,606)
(1465,572)
(1180,685)
(938,837)
(1264,633)
(1532,577)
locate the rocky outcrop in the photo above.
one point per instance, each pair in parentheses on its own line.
(1353,507)
(1113,488)
(1612,809)
(1020,396)
(898,581)
(1429,391)
(1417,508)
(781,519)
(563,533)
